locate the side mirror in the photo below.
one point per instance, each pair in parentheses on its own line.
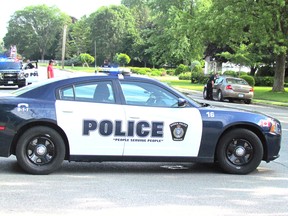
(182,102)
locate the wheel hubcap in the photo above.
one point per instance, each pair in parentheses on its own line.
(41,150)
(239,152)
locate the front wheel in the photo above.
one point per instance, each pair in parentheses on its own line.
(205,93)
(240,151)
(40,150)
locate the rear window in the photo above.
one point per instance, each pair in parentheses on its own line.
(236,81)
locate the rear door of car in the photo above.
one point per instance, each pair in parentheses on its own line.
(90,119)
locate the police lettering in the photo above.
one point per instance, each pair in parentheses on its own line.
(140,129)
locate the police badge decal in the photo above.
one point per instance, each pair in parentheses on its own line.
(178,130)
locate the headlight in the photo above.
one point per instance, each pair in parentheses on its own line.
(272,125)
(275,127)
(1,75)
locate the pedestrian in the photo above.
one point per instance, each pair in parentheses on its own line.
(50,71)
(210,85)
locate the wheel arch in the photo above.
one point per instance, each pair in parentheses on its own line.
(52,125)
(252,128)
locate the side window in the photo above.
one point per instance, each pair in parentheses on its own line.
(147,94)
(99,92)
(218,81)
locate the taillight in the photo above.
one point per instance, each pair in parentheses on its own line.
(229,87)
(2,128)
(251,89)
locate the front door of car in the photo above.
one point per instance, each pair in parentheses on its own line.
(157,127)
(90,118)
(217,86)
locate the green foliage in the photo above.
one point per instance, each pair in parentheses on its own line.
(170,72)
(36,30)
(249,79)
(181,69)
(264,81)
(265,71)
(114,30)
(199,77)
(86,59)
(122,59)
(230,73)
(185,76)
(80,34)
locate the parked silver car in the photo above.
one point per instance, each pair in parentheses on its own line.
(231,88)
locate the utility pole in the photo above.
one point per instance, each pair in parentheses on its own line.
(64,44)
(95,54)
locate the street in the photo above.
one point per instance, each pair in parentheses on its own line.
(111,188)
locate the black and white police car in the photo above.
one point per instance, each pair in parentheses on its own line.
(124,117)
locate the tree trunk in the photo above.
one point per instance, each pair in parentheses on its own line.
(279,76)
(253,71)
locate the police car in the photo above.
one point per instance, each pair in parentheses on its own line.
(30,70)
(124,117)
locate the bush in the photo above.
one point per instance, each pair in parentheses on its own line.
(181,69)
(75,61)
(264,81)
(197,77)
(170,72)
(136,70)
(265,71)
(249,79)
(185,76)
(230,73)
(156,72)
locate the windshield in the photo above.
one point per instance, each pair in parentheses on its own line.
(10,65)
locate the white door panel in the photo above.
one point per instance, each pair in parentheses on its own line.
(161,131)
(91,127)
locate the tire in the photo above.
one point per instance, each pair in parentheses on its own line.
(40,150)
(240,151)
(248,101)
(220,95)
(205,93)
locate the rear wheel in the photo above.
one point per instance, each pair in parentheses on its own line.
(40,150)
(220,95)
(240,151)
(248,101)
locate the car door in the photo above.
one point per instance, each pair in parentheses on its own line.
(89,117)
(157,126)
(217,86)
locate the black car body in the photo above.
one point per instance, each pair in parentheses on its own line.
(128,118)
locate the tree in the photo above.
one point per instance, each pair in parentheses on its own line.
(263,24)
(141,12)
(174,38)
(122,59)
(86,59)
(36,28)
(113,30)
(80,36)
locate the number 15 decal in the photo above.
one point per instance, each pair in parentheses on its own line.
(210,114)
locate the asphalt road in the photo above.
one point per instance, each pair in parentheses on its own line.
(112,188)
